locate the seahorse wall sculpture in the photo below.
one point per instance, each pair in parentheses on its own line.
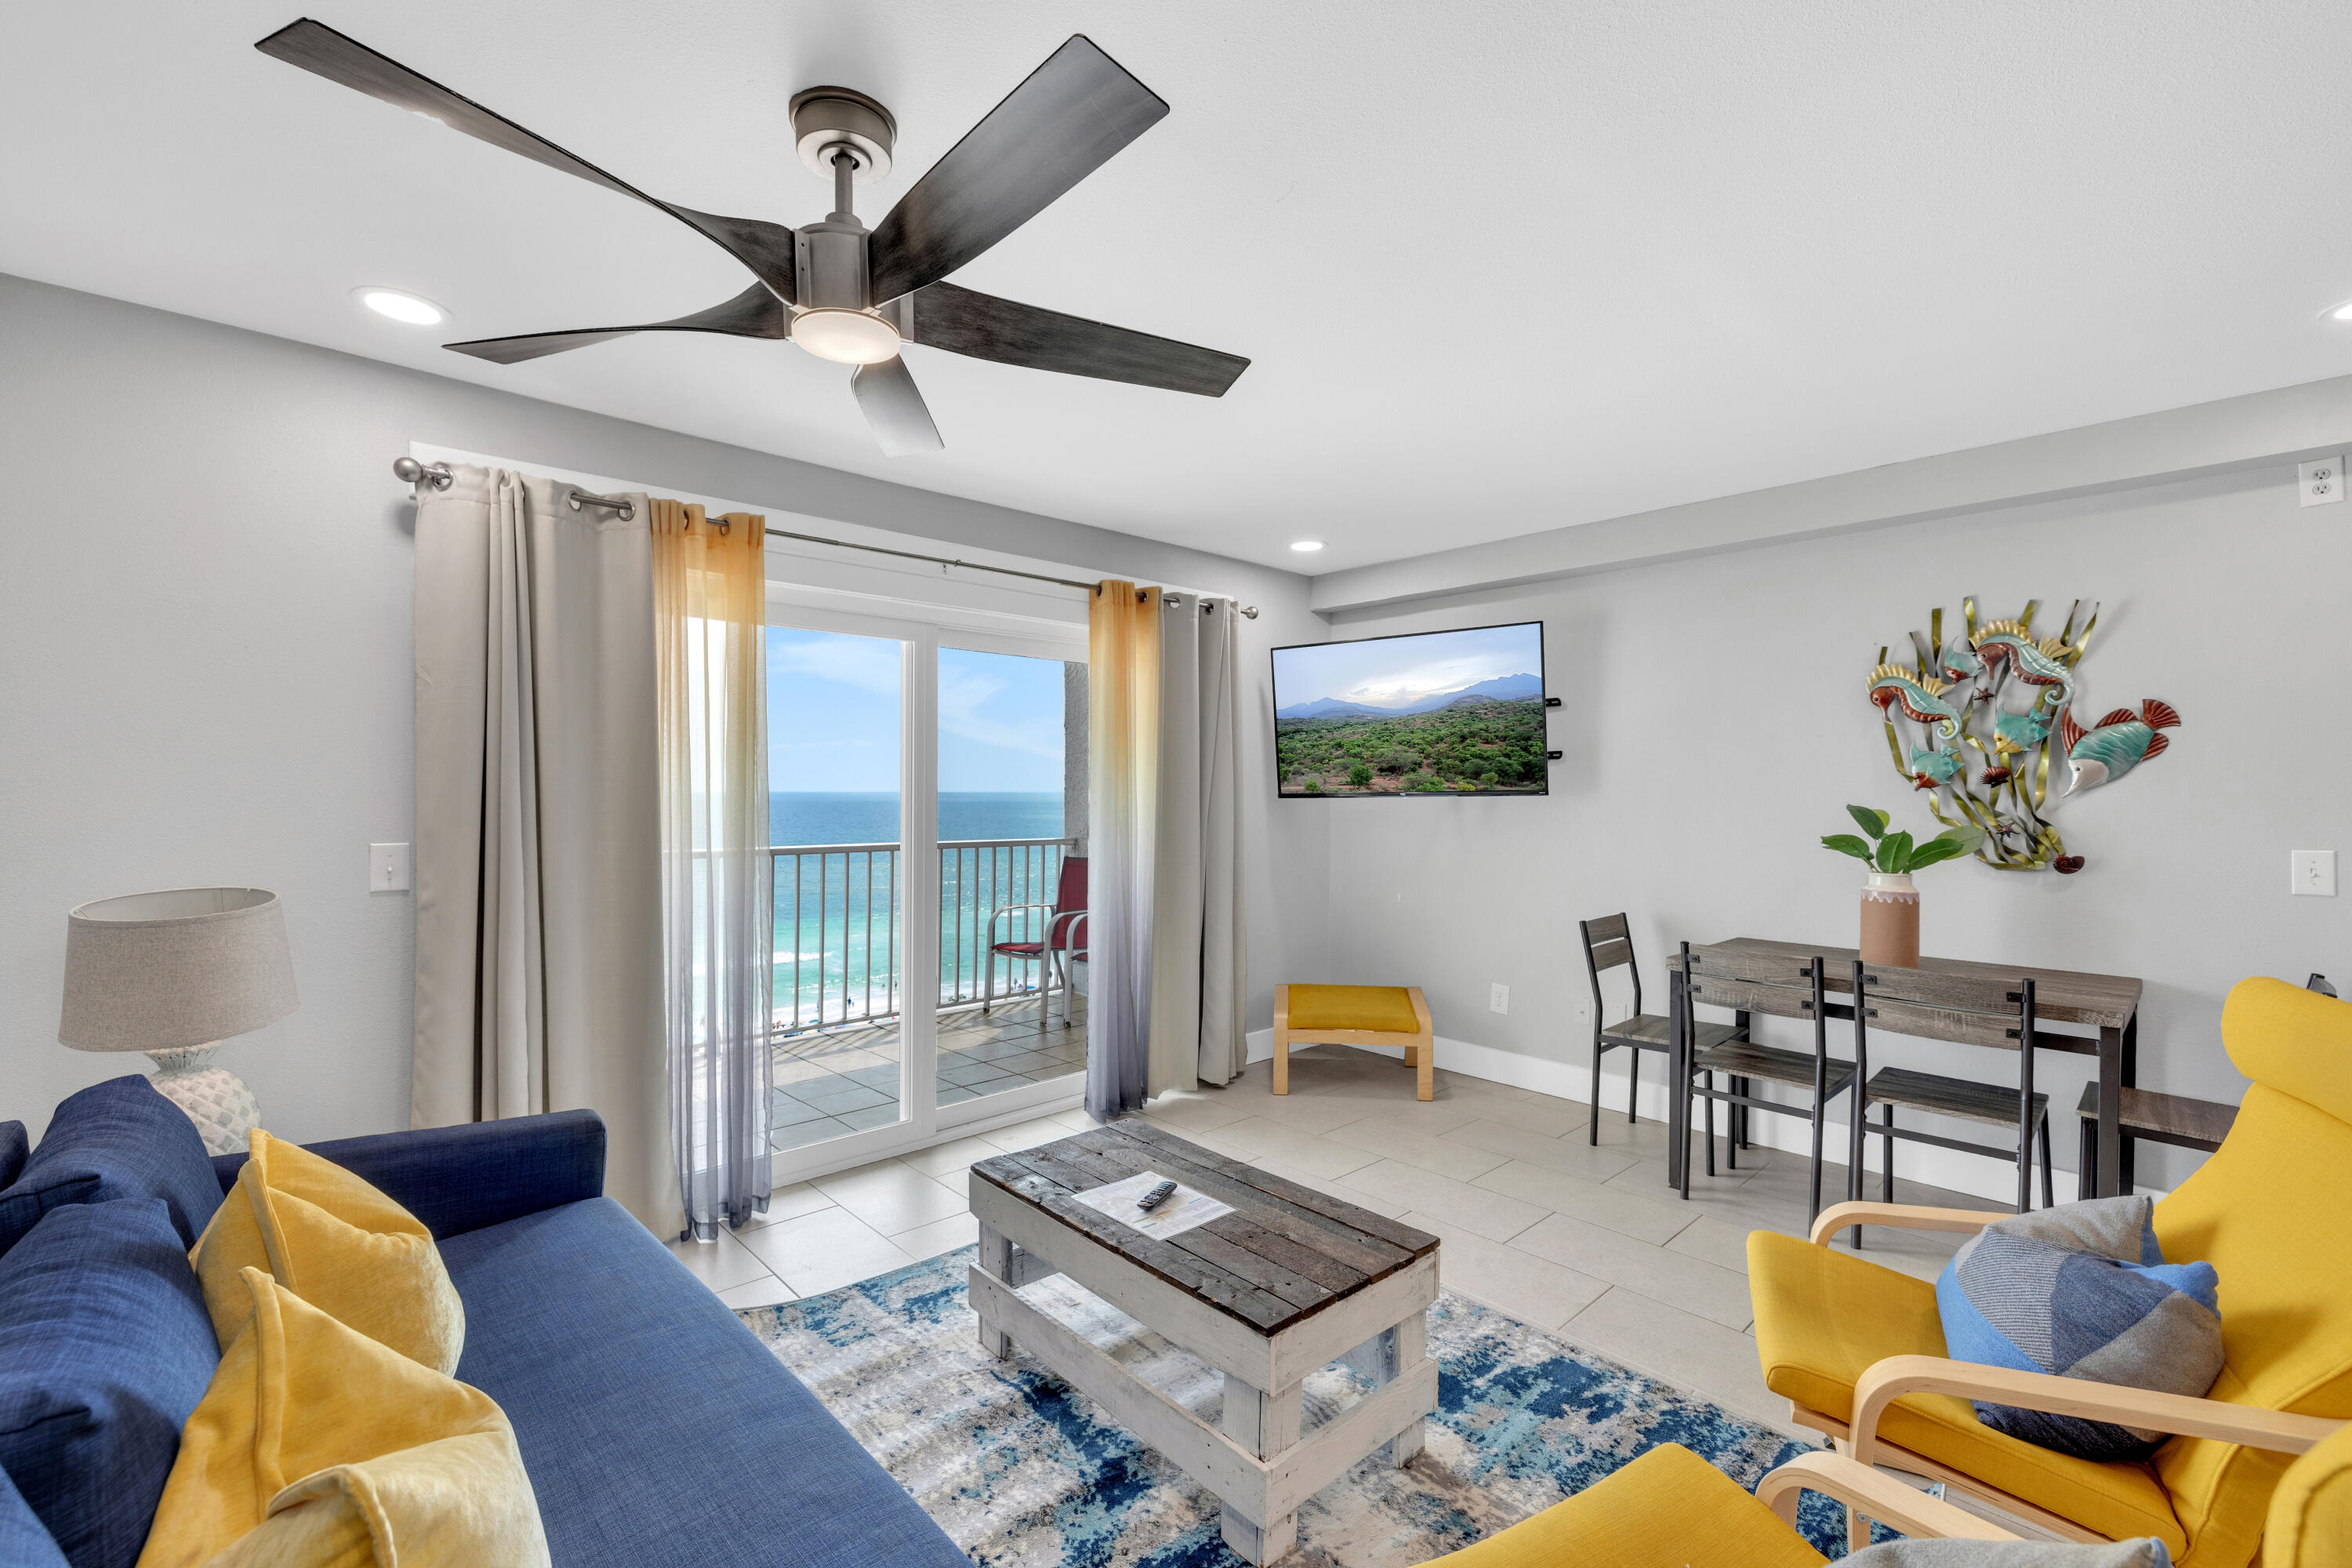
(1974,722)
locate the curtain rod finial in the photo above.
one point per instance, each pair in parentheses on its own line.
(409,471)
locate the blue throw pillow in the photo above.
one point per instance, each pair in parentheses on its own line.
(105,1347)
(118,1139)
(13,1144)
(2081,1291)
(23,1543)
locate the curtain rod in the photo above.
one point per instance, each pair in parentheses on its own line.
(438,475)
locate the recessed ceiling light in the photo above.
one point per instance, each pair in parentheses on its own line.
(407,308)
(2339,312)
(1306,546)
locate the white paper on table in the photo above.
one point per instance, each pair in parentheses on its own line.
(1183,1210)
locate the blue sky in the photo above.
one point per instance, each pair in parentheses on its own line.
(833,717)
(1389,672)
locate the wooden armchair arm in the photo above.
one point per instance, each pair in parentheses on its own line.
(1873,1493)
(1888,1380)
(1905,1216)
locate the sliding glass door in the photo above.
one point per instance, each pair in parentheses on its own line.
(1011,812)
(836,711)
(927,794)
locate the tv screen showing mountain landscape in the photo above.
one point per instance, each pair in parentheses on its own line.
(1433,713)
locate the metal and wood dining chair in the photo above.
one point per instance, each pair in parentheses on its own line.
(1608,944)
(1763,983)
(1996,1014)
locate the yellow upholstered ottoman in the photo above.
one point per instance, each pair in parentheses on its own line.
(1353,1015)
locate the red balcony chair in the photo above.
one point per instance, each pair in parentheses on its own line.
(1064,928)
(1073,953)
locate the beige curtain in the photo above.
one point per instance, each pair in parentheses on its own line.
(539,953)
(1122,811)
(709,594)
(1198,967)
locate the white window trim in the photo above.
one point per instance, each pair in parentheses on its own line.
(921,630)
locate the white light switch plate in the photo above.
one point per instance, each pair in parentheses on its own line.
(2315,872)
(387,868)
(1499,998)
(2320,482)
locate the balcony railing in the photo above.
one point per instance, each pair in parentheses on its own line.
(837,907)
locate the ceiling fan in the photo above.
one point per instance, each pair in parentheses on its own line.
(837,288)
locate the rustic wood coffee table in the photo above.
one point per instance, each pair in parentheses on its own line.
(1287,1283)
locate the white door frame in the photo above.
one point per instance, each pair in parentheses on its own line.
(919,631)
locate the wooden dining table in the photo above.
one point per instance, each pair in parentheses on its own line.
(2087,1014)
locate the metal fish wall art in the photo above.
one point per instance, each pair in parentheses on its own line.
(2116,744)
(1980,722)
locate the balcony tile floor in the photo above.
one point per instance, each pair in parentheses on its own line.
(1586,1242)
(843,1080)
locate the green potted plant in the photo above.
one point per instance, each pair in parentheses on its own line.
(1890,901)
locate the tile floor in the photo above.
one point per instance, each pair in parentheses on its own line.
(847,1079)
(836,1230)
(1586,1242)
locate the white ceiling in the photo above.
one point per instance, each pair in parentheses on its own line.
(1501,268)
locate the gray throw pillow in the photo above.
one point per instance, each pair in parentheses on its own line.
(2081,1291)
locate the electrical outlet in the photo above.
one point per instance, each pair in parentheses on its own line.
(1498,997)
(2314,872)
(2320,482)
(387,868)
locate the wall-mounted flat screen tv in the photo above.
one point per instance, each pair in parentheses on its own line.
(1421,715)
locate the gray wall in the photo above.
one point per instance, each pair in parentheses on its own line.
(205,666)
(1714,727)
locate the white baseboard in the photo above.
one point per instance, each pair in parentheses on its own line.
(1947,1168)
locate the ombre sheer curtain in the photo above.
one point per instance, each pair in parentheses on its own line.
(1122,815)
(709,594)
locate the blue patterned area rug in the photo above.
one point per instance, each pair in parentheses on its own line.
(1021,1471)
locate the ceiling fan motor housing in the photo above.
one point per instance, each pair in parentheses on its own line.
(830,259)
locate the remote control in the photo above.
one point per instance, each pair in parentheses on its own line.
(1156,1196)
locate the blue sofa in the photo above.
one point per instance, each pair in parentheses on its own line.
(656,1428)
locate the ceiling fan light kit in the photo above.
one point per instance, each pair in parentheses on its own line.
(845,337)
(839,290)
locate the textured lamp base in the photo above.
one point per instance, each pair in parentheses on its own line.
(216,1098)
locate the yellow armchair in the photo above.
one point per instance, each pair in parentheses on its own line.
(1858,1350)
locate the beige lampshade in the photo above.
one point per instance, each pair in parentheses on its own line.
(155,972)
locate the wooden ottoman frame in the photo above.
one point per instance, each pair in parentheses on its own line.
(1418,1045)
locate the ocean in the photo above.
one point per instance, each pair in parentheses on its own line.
(835,946)
(874,818)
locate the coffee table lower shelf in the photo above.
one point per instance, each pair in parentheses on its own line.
(1260,1465)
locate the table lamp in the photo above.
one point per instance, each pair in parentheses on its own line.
(174,974)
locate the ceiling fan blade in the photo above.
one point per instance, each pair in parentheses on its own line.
(1054,129)
(765,247)
(894,409)
(961,320)
(753,313)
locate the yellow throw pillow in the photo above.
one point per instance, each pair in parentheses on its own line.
(316,1446)
(336,1242)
